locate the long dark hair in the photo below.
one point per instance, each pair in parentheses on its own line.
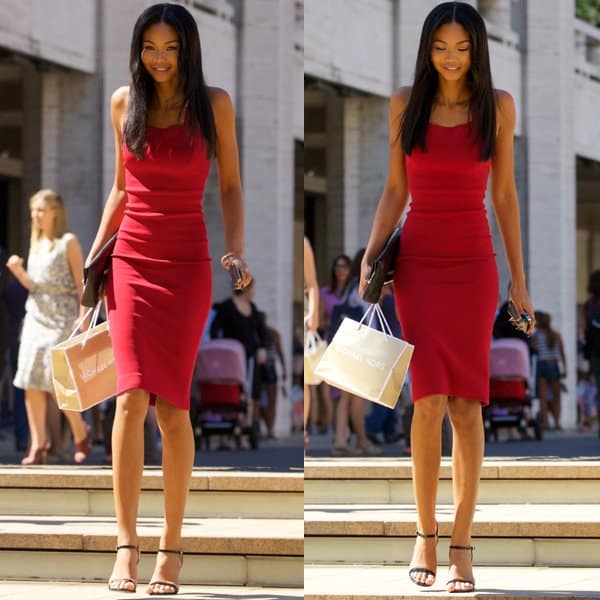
(333,275)
(482,104)
(197,105)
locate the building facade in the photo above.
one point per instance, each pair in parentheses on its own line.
(60,62)
(357,52)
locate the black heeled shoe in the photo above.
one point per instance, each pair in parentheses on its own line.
(115,582)
(416,570)
(458,580)
(174,587)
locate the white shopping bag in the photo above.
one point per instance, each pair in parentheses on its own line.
(365,362)
(314,348)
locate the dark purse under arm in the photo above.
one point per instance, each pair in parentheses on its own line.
(95,273)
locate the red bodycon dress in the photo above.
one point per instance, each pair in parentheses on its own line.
(159,287)
(446,279)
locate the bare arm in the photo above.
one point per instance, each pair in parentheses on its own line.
(312,287)
(230,186)
(75,260)
(115,204)
(394,198)
(562,353)
(15,266)
(506,203)
(279,350)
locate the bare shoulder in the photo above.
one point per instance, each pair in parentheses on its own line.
(120,97)
(400,99)
(505,108)
(219,100)
(118,103)
(70,239)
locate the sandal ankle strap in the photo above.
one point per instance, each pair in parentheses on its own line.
(131,547)
(471,548)
(428,535)
(167,551)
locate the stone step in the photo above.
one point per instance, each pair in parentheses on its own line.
(28,590)
(218,551)
(81,491)
(361,582)
(563,535)
(389,481)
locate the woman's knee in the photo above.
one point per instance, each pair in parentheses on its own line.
(464,413)
(431,408)
(171,420)
(133,405)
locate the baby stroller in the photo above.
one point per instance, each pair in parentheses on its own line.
(223,405)
(510,390)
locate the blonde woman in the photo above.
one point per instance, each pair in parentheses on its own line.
(53,279)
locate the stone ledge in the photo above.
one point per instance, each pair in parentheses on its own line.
(400,468)
(98,534)
(101,478)
(494,520)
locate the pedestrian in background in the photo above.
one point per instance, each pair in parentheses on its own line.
(269,376)
(325,395)
(446,279)
(551,368)
(168,126)
(590,318)
(15,297)
(350,409)
(311,317)
(53,279)
(237,318)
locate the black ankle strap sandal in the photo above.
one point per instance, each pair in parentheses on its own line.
(458,580)
(114,584)
(169,584)
(417,570)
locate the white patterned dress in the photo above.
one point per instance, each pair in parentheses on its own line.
(50,314)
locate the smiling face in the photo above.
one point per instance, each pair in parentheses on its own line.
(451,51)
(160,51)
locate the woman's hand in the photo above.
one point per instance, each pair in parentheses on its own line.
(15,265)
(235,264)
(85,324)
(365,272)
(312,321)
(520,298)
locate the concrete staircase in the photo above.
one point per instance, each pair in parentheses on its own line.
(241,528)
(536,530)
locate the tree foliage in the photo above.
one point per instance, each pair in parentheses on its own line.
(588,10)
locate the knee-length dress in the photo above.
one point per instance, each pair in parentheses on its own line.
(159,287)
(446,279)
(51,310)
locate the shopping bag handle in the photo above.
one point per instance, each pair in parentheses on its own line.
(312,339)
(93,322)
(371,312)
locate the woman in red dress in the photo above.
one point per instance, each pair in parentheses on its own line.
(446,131)
(168,126)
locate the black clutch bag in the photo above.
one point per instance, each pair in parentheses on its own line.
(95,273)
(382,271)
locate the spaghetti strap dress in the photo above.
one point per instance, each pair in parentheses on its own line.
(446,278)
(159,286)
